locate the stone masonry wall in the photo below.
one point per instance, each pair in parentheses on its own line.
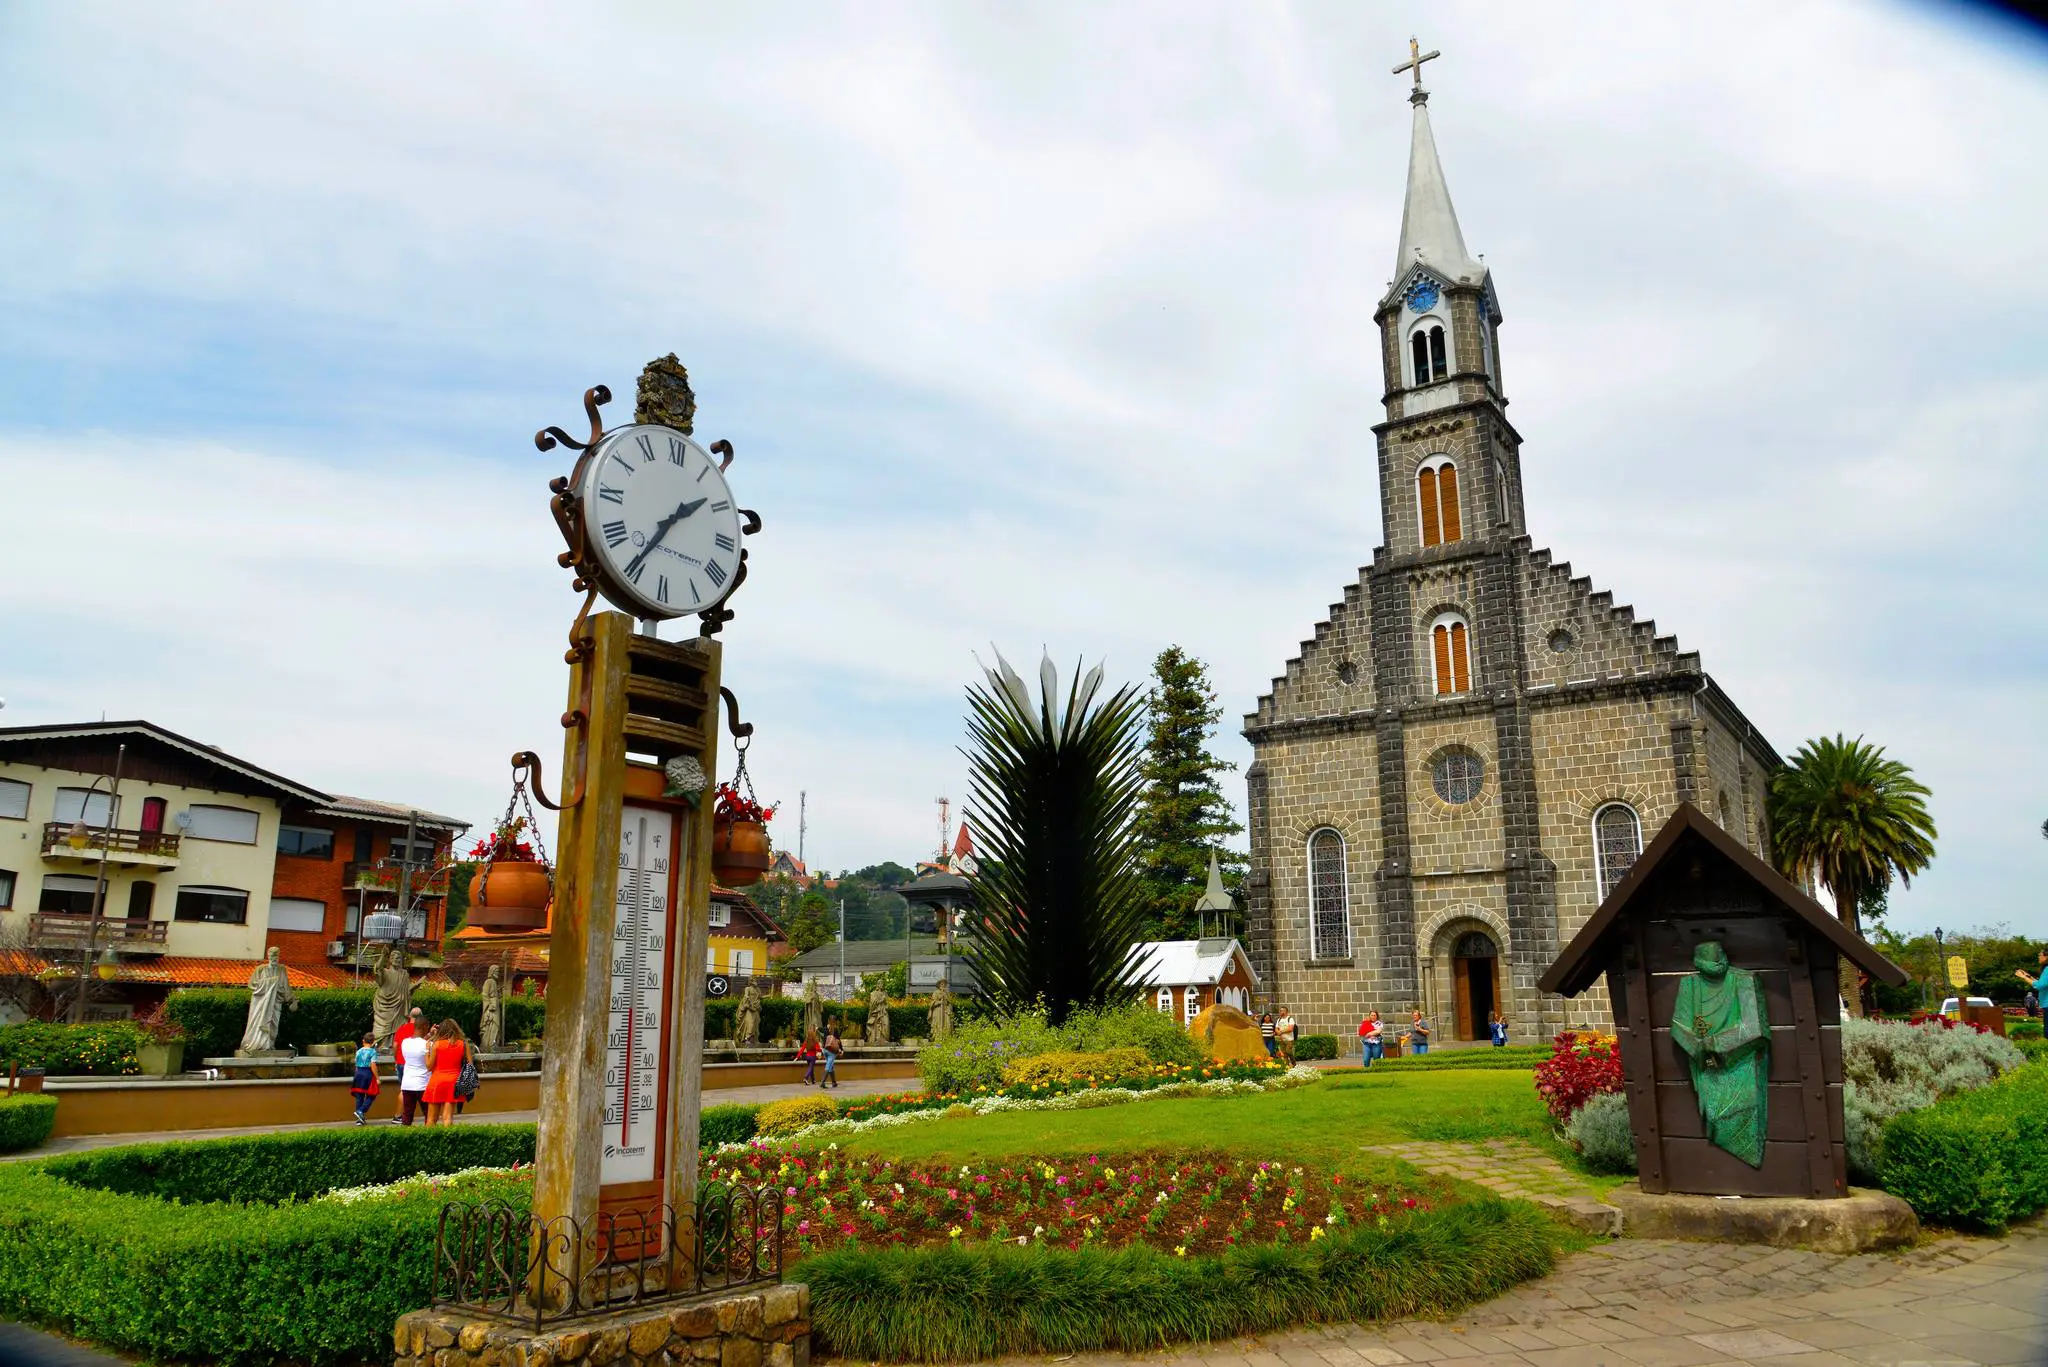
(766,1328)
(1333,675)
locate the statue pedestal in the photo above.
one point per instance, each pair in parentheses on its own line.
(1864,1221)
(267,1053)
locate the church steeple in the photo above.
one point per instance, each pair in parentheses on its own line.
(1429,225)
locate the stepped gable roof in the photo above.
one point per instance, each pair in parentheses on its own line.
(1689,833)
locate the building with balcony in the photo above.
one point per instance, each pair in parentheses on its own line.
(207,861)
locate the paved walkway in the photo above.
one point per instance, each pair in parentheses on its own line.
(1650,1303)
(722,1097)
(1517,1168)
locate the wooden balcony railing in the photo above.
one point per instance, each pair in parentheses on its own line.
(57,930)
(157,844)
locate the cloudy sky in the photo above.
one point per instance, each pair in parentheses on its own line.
(1041,326)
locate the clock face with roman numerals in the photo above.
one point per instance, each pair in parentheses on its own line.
(660,521)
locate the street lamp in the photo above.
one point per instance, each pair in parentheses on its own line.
(109,966)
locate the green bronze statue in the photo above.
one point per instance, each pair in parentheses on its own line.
(1721,1024)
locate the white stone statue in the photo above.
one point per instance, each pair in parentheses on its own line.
(394,997)
(941,1012)
(814,1009)
(491,1030)
(270,994)
(878,1017)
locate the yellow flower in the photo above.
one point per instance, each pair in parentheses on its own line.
(953,1233)
(1315,1232)
(1180,1250)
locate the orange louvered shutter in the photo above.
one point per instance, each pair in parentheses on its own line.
(1443,659)
(1447,495)
(1461,666)
(1425,488)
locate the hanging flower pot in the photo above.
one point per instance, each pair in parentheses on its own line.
(512,889)
(740,849)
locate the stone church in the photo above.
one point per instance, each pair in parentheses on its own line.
(1471,751)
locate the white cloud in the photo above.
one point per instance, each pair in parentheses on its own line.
(1047,326)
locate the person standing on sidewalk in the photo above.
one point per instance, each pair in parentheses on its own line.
(1497,1028)
(415,1071)
(1418,1034)
(807,1055)
(1266,1034)
(1284,1031)
(1375,1042)
(832,1048)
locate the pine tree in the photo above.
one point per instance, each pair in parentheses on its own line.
(1182,814)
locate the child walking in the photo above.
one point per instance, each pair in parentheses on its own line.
(365,1087)
(807,1054)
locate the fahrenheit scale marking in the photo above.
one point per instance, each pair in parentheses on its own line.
(639,963)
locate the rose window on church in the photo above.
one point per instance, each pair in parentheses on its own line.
(1458,776)
(1561,641)
(1347,672)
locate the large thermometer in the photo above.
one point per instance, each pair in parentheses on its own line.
(634,1045)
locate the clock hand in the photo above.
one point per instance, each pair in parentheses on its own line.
(661,529)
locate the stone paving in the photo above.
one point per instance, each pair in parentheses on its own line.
(1515,1168)
(1646,1303)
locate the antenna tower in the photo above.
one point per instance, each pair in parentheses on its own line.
(802,823)
(945,824)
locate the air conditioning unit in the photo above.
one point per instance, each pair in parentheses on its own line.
(337,949)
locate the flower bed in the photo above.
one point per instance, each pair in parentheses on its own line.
(1182,1203)
(1150,1077)
(95,1049)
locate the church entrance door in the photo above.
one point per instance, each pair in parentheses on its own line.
(1474,963)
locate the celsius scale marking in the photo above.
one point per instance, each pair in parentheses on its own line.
(633,1043)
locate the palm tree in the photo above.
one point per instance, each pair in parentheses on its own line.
(1843,814)
(1054,796)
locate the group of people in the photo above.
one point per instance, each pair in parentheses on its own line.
(828,1049)
(437,1071)
(1279,1035)
(1373,1032)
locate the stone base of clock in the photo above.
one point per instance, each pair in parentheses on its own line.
(760,1327)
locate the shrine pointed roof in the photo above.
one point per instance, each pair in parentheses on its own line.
(1689,835)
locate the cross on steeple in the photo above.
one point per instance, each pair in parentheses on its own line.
(1416,57)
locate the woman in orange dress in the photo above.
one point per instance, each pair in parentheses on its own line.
(448,1056)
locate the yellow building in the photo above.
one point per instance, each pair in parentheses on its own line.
(741,936)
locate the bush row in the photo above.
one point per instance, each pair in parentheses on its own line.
(214,1017)
(981,1302)
(1978,1159)
(26,1119)
(974,1056)
(1891,1068)
(1518,1056)
(98,1049)
(782,1018)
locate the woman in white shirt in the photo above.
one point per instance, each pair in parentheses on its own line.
(415,1069)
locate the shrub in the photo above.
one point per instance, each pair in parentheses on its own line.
(26,1119)
(2033,1050)
(1582,1064)
(99,1049)
(1158,1033)
(984,1301)
(793,1114)
(214,1017)
(1978,1159)
(1600,1131)
(1069,1065)
(2017,1030)
(1890,1068)
(1310,1047)
(974,1056)
(1519,1056)
(729,1124)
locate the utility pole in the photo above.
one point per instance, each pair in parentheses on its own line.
(803,821)
(99,883)
(842,945)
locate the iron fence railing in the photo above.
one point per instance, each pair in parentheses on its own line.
(493,1258)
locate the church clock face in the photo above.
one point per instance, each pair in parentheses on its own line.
(661,523)
(1422,296)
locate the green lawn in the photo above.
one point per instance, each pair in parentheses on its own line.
(1329,1123)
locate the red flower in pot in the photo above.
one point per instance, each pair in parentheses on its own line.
(740,850)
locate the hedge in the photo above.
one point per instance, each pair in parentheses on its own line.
(1978,1159)
(214,1017)
(783,1018)
(985,1301)
(100,1049)
(729,1124)
(233,1283)
(1311,1047)
(26,1119)
(1479,1056)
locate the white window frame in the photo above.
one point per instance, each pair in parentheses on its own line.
(242,893)
(1600,879)
(9,881)
(742,963)
(1436,688)
(1437,462)
(91,807)
(1318,947)
(1165,1001)
(256,817)
(1420,327)
(721,916)
(12,811)
(1190,1003)
(298,906)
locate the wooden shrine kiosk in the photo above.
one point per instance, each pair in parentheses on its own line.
(1744,1096)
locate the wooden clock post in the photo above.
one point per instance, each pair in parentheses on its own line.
(619,1094)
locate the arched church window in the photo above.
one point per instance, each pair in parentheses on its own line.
(1437,366)
(1328,896)
(1436,493)
(1475,944)
(1418,348)
(1166,1001)
(1451,654)
(1617,840)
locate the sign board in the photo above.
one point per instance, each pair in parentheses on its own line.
(1958,972)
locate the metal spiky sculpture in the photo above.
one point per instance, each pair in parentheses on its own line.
(1053,798)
